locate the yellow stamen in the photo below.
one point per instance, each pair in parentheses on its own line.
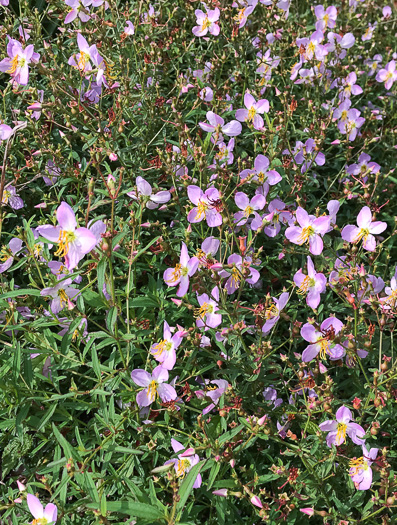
(152,391)
(201,209)
(304,286)
(248,210)
(176,274)
(65,238)
(182,466)
(206,24)
(261,177)
(251,114)
(324,347)
(341,432)
(40,521)
(4,255)
(200,313)
(362,234)
(14,65)
(162,346)
(84,58)
(310,49)
(6,196)
(271,312)
(305,235)
(236,277)
(240,15)
(357,464)
(109,72)
(63,298)
(326,18)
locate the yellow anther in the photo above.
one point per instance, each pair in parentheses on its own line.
(341,432)
(305,235)
(152,391)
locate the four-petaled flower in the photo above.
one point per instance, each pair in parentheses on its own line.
(185,461)
(73,243)
(206,22)
(206,206)
(206,315)
(311,230)
(165,351)
(365,230)
(154,386)
(360,468)
(253,112)
(337,429)
(322,340)
(312,284)
(17,65)
(186,267)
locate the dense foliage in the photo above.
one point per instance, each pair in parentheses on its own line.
(198,262)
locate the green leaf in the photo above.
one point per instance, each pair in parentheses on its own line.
(187,485)
(20,293)
(131,508)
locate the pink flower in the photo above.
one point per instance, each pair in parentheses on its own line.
(206,315)
(388,75)
(310,230)
(253,111)
(145,193)
(47,515)
(248,206)
(260,173)
(337,429)
(312,284)
(129,28)
(272,314)
(322,341)
(325,17)
(206,22)
(213,394)
(204,206)
(73,242)
(61,295)
(79,9)
(366,230)
(185,461)
(165,351)
(308,510)
(154,386)
(217,125)
(360,468)
(235,275)
(183,270)
(17,65)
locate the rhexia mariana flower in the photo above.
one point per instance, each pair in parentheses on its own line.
(205,206)
(154,386)
(186,267)
(310,230)
(322,340)
(185,462)
(312,284)
(360,468)
(165,351)
(17,65)
(365,230)
(206,22)
(73,243)
(337,429)
(42,516)
(253,112)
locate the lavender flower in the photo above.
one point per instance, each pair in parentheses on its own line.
(365,230)
(360,468)
(185,462)
(145,193)
(42,516)
(206,315)
(322,341)
(186,267)
(337,429)
(165,351)
(312,284)
(17,65)
(154,386)
(253,111)
(311,230)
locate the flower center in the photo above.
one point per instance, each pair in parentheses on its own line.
(344,115)
(236,277)
(4,255)
(261,177)
(271,312)
(324,347)
(248,210)
(84,58)
(356,465)
(310,50)
(65,238)
(206,24)
(240,15)
(251,113)
(362,234)
(63,298)
(182,466)
(341,432)
(163,346)
(305,235)
(201,209)
(6,196)
(306,284)
(152,391)
(176,274)
(40,521)
(326,18)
